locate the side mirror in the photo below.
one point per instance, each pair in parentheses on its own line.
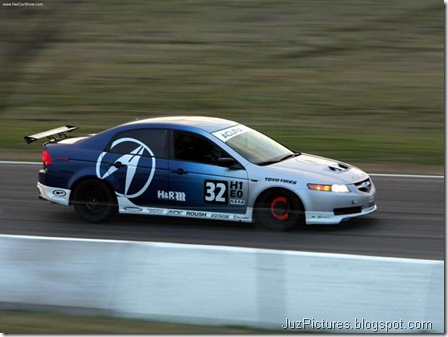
(228,162)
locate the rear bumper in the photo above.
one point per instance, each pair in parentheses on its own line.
(54,194)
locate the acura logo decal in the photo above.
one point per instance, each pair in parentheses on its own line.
(366,185)
(130,164)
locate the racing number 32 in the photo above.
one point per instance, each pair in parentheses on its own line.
(215,191)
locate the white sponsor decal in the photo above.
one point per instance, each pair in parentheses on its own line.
(231,132)
(196,214)
(280,180)
(155,211)
(126,206)
(241,218)
(320,217)
(131,161)
(171,195)
(239,202)
(220,216)
(59,193)
(56,195)
(133,209)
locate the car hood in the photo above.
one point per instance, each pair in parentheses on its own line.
(321,169)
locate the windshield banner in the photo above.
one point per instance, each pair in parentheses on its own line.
(231,132)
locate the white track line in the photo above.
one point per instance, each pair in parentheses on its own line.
(405,175)
(224,248)
(21,162)
(371,174)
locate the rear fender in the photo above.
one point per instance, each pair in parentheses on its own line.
(90,173)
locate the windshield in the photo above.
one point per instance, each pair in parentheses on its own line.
(253,145)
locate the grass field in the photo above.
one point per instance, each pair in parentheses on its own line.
(22,322)
(361,81)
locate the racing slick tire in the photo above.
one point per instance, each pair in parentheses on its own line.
(279,210)
(94,201)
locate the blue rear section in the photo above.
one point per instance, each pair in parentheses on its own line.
(148,180)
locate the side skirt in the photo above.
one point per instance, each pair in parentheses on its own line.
(127,207)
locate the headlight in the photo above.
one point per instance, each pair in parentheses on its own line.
(338,188)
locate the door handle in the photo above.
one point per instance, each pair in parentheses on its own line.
(117,164)
(179,171)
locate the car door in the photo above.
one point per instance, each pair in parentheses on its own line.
(135,162)
(196,180)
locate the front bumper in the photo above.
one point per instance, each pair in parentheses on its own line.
(333,208)
(329,218)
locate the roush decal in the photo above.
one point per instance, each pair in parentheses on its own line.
(231,132)
(196,214)
(133,187)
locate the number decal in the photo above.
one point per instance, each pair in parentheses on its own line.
(215,191)
(220,197)
(209,191)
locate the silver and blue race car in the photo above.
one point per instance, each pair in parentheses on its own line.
(198,167)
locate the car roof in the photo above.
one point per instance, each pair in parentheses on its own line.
(209,124)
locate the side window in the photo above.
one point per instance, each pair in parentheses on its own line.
(190,147)
(130,141)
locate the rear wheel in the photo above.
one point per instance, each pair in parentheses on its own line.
(279,210)
(94,201)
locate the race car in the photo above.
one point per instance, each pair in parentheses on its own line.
(198,167)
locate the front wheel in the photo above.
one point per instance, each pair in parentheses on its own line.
(94,201)
(279,210)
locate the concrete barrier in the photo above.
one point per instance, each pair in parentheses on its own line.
(216,285)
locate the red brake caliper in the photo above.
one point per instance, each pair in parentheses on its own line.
(279,208)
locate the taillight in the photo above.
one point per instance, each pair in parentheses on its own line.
(46,157)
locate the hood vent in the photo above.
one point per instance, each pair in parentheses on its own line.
(338,168)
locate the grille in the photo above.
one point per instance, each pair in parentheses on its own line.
(364,186)
(347,210)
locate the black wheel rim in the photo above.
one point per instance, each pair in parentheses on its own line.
(95,199)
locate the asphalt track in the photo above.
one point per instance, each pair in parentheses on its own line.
(409,223)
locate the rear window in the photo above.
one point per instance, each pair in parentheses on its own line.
(128,141)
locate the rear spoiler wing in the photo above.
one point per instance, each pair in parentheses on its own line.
(53,134)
